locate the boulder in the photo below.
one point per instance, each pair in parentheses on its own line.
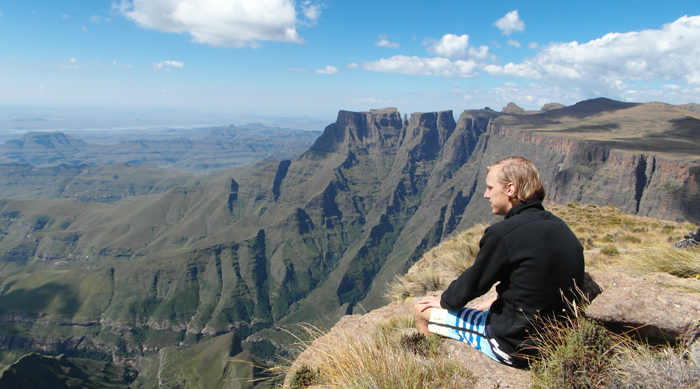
(642,305)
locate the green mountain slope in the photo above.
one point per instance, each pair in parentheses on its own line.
(105,184)
(308,239)
(42,372)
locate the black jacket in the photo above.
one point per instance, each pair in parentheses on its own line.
(535,256)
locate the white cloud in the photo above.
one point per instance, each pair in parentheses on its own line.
(514,43)
(352,65)
(99,19)
(457,47)
(115,63)
(370,100)
(533,45)
(423,66)
(166,65)
(509,23)
(232,23)
(534,96)
(383,42)
(311,11)
(451,46)
(327,70)
(605,66)
(70,63)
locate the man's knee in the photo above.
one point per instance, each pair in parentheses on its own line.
(422,318)
(421,313)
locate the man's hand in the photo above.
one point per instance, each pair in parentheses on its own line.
(430,302)
(486,304)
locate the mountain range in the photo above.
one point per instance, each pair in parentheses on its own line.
(202,150)
(316,237)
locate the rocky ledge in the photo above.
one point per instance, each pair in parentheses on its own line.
(618,300)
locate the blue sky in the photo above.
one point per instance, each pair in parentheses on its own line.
(313,58)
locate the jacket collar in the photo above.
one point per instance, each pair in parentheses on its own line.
(522,207)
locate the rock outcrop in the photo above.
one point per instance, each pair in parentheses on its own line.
(639,305)
(550,106)
(513,109)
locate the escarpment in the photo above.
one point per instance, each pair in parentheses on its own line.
(317,237)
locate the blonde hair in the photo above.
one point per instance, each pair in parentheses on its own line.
(523,174)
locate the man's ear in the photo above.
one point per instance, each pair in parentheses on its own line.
(510,189)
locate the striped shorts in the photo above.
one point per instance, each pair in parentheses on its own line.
(469,326)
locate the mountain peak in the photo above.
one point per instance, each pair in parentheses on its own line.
(359,129)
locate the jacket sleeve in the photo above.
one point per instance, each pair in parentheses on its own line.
(490,266)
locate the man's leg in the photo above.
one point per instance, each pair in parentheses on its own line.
(422,318)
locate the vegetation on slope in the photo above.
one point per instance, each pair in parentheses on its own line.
(43,372)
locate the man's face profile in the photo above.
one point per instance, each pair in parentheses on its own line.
(498,194)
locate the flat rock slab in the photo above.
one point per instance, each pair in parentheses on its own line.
(639,303)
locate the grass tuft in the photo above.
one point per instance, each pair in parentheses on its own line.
(438,267)
(576,354)
(657,368)
(382,357)
(303,377)
(419,344)
(677,262)
(609,250)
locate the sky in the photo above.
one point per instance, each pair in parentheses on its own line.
(312,58)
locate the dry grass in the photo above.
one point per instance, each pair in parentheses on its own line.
(576,354)
(612,240)
(582,354)
(385,356)
(438,267)
(677,262)
(611,237)
(639,366)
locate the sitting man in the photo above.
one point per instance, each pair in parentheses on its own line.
(533,255)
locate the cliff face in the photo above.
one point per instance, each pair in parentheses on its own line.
(316,237)
(642,183)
